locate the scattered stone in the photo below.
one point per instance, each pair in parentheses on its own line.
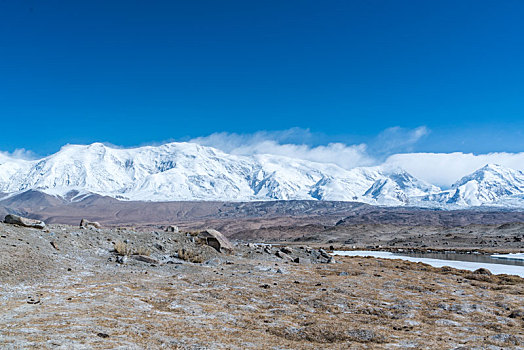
(284,256)
(86,223)
(144,258)
(53,244)
(102,335)
(121,259)
(265,286)
(213,262)
(286,250)
(21,221)
(215,239)
(324,254)
(33,301)
(447,323)
(343,273)
(517,314)
(172,228)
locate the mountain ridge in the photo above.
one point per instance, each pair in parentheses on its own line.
(182,171)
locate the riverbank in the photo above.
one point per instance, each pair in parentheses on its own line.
(489,264)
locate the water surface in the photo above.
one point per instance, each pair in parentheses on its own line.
(501,266)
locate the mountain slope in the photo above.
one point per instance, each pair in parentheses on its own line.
(490,185)
(188,171)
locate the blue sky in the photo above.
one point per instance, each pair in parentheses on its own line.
(136,72)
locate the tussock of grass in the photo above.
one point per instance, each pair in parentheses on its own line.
(122,248)
(142,251)
(190,255)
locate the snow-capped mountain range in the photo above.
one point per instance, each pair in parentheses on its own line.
(188,171)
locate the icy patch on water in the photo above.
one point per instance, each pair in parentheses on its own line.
(513,256)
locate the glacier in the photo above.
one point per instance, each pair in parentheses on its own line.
(182,171)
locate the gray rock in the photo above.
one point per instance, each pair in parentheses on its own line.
(121,259)
(517,314)
(144,258)
(213,262)
(215,239)
(447,323)
(26,222)
(286,250)
(324,254)
(284,256)
(172,228)
(86,223)
(330,260)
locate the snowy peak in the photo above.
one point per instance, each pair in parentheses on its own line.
(188,171)
(494,175)
(397,187)
(490,184)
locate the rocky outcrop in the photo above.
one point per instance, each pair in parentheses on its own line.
(86,223)
(171,228)
(216,240)
(21,221)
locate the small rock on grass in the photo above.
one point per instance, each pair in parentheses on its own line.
(145,259)
(121,259)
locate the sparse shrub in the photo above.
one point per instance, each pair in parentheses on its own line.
(190,255)
(122,248)
(142,251)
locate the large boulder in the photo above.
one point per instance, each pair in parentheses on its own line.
(216,240)
(21,221)
(86,223)
(172,228)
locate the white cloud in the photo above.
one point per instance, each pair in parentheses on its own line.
(19,153)
(295,143)
(289,143)
(443,169)
(388,148)
(397,139)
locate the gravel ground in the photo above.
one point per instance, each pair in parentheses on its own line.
(64,288)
